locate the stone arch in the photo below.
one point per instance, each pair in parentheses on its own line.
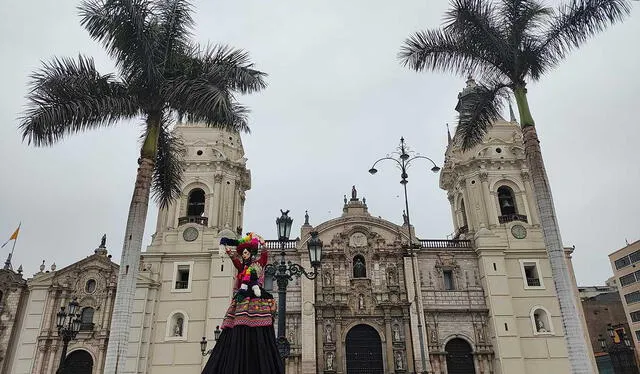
(177,325)
(195,202)
(187,189)
(519,194)
(79,361)
(459,355)
(541,323)
(363,349)
(462,336)
(462,219)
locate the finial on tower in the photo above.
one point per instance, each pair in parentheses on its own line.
(449,140)
(306,218)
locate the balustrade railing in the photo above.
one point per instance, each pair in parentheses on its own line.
(512,217)
(193,219)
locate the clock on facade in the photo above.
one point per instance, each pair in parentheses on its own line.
(190,234)
(518,231)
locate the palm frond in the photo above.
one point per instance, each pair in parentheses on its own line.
(478,110)
(69,96)
(476,22)
(175,23)
(199,101)
(225,67)
(577,21)
(522,18)
(167,175)
(126,30)
(437,50)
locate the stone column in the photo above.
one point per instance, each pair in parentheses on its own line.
(216,204)
(307,328)
(389,340)
(469,207)
(490,208)
(408,343)
(340,362)
(454,215)
(533,218)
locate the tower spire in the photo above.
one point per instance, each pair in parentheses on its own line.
(449,140)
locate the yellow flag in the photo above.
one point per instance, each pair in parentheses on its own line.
(14,236)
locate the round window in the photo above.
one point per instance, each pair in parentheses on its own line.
(90,287)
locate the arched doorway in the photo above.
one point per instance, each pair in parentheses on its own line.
(78,362)
(364,351)
(459,357)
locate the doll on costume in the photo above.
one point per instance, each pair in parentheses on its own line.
(247,343)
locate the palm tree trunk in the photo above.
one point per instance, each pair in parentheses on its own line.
(579,357)
(129,262)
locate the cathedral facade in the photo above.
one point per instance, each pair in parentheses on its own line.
(385,301)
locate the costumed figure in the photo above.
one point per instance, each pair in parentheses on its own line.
(247,344)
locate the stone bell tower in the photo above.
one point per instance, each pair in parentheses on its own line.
(493,204)
(185,283)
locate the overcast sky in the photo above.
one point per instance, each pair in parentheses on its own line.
(337,100)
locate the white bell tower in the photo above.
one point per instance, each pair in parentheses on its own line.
(493,205)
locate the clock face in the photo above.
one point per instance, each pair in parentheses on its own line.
(518,231)
(190,234)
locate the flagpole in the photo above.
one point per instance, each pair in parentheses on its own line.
(7,264)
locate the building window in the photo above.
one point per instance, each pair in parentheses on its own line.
(541,321)
(463,211)
(531,274)
(359,267)
(448,280)
(506,200)
(632,297)
(635,316)
(177,326)
(630,278)
(638,335)
(90,287)
(195,202)
(182,276)
(627,260)
(86,319)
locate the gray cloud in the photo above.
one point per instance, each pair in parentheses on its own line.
(337,101)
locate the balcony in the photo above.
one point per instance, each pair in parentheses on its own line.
(182,285)
(443,243)
(533,282)
(86,326)
(512,217)
(193,219)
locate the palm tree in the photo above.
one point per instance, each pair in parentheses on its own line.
(161,76)
(508,43)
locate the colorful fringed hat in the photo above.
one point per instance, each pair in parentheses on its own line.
(251,241)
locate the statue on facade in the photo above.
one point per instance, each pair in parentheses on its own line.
(327,333)
(359,270)
(103,241)
(405,218)
(361,301)
(539,324)
(399,363)
(354,193)
(396,333)
(177,329)
(330,361)
(327,278)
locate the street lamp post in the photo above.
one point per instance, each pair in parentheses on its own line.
(203,342)
(68,328)
(403,160)
(620,350)
(284,272)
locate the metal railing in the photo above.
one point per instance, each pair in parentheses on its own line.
(512,217)
(533,282)
(275,244)
(444,243)
(193,219)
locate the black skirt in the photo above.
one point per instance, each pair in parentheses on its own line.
(245,350)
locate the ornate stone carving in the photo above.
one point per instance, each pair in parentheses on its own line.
(217,178)
(483,176)
(358,240)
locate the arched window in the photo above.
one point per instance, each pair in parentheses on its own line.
(195,202)
(459,357)
(86,319)
(541,321)
(359,267)
(507,201)
(177,326)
